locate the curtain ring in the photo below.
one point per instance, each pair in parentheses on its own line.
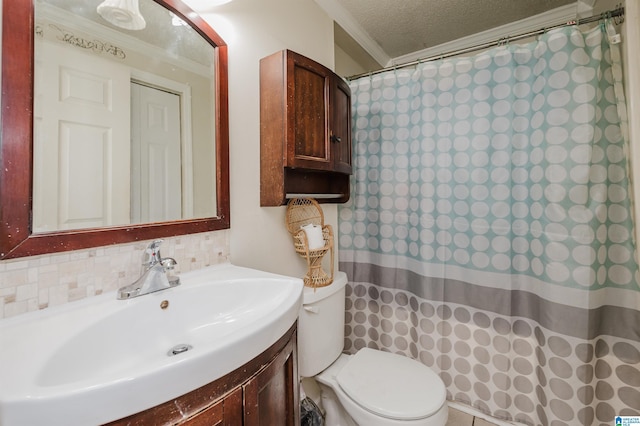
(541,33)
(619,18)
(503,41)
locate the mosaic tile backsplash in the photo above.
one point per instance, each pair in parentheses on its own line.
(37,282)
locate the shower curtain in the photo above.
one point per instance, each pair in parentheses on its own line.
(489,232)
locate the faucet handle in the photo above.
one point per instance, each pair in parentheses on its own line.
(154,245)
(151,254)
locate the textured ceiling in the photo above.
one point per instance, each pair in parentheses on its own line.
(378,33)
(400,27)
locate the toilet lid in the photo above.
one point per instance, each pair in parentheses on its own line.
(392,385)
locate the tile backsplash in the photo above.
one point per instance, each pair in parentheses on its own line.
(37,282)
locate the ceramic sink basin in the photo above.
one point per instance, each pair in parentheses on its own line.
(101,359)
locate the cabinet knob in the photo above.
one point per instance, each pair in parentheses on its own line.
(335,139)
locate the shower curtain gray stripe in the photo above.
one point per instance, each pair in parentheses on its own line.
(489,232)
(568,320)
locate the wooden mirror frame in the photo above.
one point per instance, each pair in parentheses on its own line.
(16,147)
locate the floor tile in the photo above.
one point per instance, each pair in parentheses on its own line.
(458,418)
(481,422)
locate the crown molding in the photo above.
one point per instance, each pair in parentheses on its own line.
(584,8)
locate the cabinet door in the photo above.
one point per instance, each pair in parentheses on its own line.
(310,99)
(341,126)
(227,412)
(212,416)
(271,397)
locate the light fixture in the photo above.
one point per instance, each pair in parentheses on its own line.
(122,13)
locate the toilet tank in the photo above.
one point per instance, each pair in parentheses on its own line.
(321,326)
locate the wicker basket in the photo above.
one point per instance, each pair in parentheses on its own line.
(305,211)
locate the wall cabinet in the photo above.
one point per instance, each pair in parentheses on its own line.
(305,130)
(263,392)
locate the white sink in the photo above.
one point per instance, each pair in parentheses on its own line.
(101,359)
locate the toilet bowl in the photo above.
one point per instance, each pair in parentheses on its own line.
(379,388)
(370,387)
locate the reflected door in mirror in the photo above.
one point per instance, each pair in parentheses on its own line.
(81,141)
(155,164)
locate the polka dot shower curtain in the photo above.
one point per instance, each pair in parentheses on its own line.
(489,233)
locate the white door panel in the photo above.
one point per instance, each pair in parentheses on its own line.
(82,144)
(84,152)
(156,151)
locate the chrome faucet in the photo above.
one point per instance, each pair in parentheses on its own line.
(157,274)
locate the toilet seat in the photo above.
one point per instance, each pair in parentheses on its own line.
(391,385)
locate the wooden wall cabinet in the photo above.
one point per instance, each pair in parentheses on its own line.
(305,130)
(263,392)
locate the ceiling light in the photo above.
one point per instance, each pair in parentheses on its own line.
(122,13)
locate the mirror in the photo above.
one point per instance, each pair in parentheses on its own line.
(122,117)
(83,173)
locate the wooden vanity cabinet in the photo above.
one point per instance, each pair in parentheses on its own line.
(305,130)
(263,392)
(269,397)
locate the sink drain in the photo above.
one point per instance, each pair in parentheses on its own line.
(178,349)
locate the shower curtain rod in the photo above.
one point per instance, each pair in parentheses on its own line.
(615,13)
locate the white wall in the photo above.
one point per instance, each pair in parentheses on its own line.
(254,29)
(346,66)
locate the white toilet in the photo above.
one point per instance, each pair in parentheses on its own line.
(370,388)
